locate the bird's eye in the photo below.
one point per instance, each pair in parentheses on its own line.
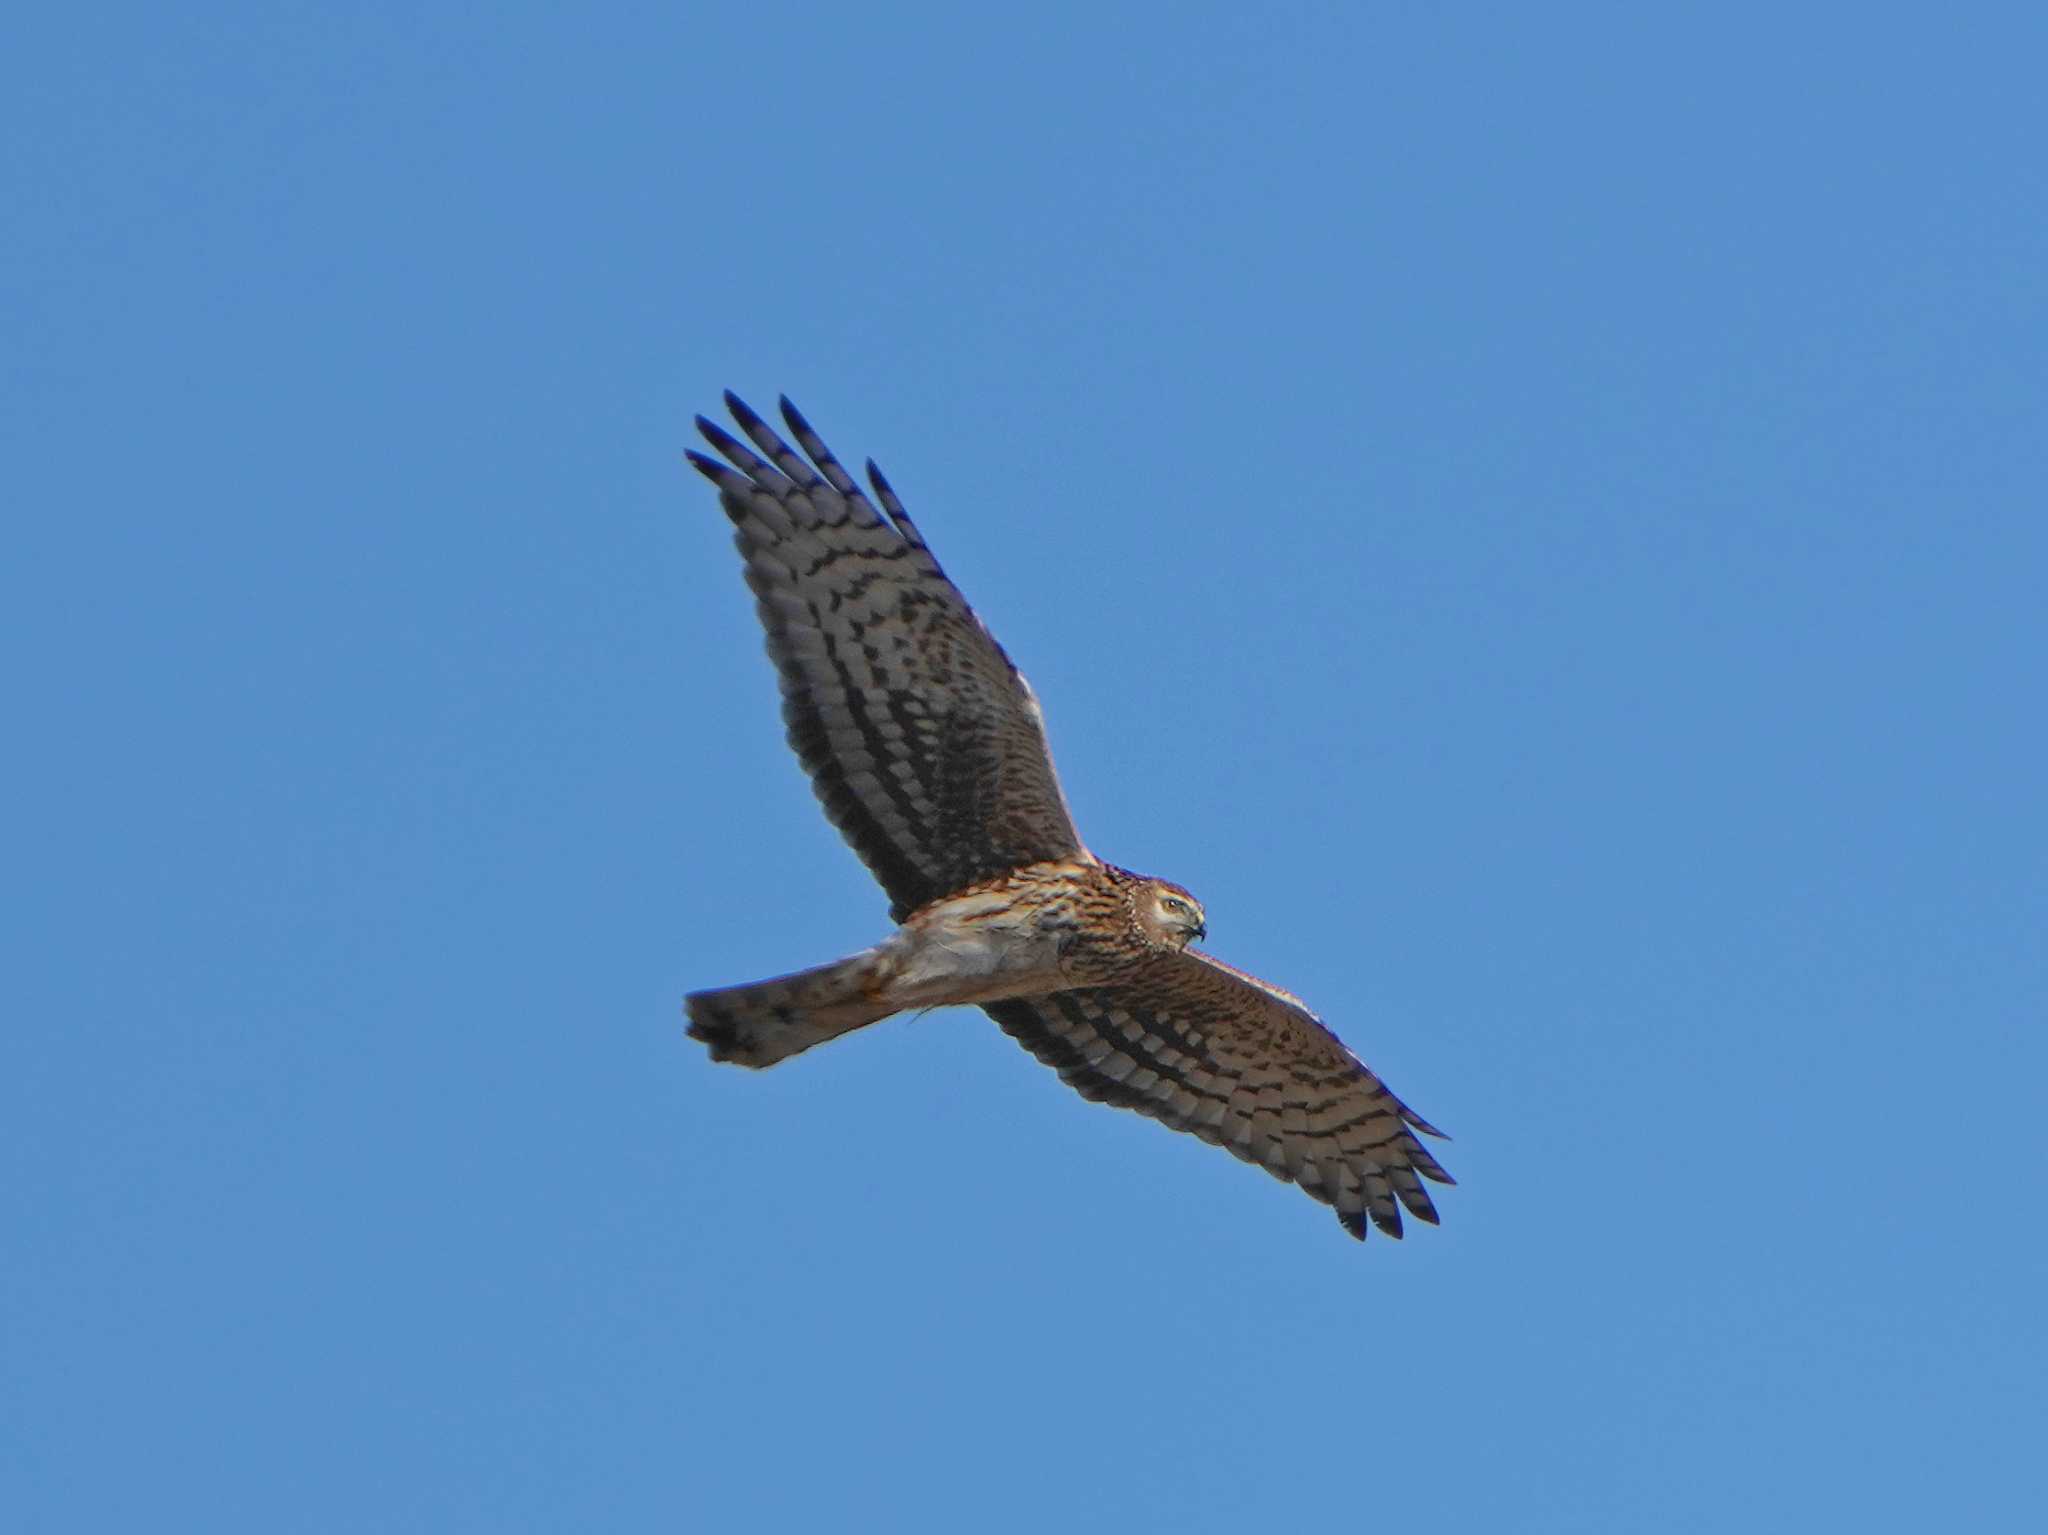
(1175,903)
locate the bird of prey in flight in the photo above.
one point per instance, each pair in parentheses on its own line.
(928,751)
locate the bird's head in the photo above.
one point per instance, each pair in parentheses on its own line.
(1168,916)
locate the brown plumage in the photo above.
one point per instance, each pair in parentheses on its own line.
(928,751)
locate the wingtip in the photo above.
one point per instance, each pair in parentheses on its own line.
(892,503)
(704,464)
(742,412)
(714,433)
(800,428)
(735,452)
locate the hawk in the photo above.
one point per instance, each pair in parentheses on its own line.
(928,751)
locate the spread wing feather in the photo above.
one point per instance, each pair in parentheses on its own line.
(1205,1048)
(923,743)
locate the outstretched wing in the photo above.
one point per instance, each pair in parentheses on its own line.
(1206,1048)
(923,742)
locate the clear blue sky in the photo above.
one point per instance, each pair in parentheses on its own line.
(1540,519)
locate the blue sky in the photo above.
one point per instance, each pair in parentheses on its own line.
(1539,519)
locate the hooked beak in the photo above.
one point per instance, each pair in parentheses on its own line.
(1201,931)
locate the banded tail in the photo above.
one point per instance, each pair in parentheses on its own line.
(769,1021)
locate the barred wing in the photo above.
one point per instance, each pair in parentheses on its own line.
(924,744)
(1206,1048)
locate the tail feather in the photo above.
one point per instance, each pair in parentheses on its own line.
(769,1021)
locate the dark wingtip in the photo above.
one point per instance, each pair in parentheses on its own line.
(891,502)
(801,428)
(705,465)
(742,412)
(737,453)
(714,432)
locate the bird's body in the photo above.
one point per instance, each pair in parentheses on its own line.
(927,749)
(1044,928)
